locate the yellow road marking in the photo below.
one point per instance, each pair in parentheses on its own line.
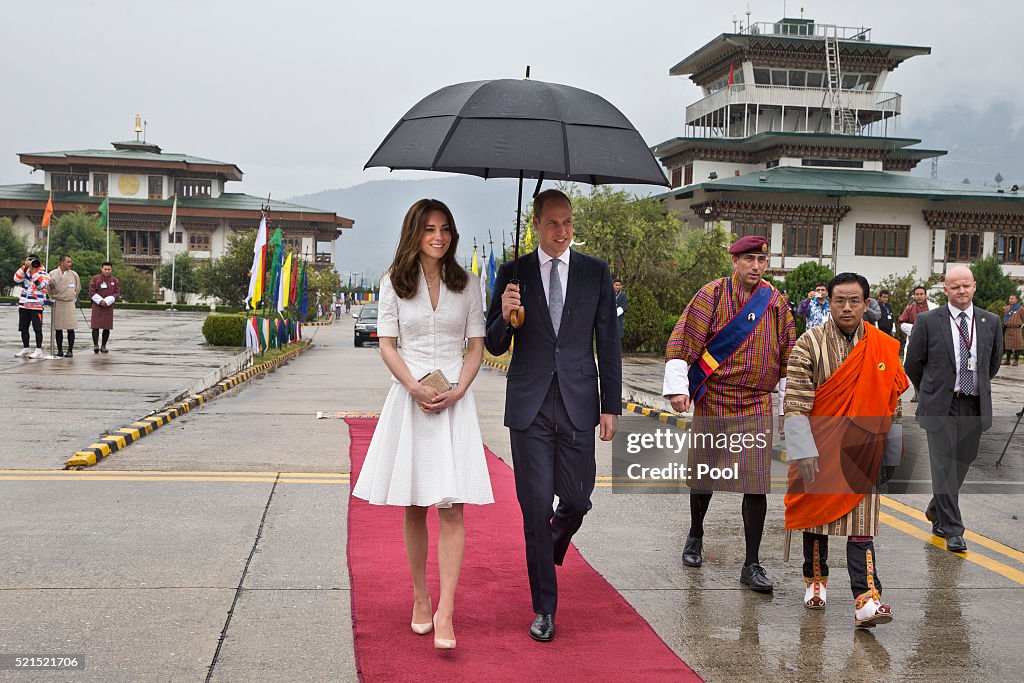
(158,473)
(76,477)
(1014,575)
(983,541)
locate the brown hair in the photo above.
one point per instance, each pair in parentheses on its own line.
(405,269)
(545,196)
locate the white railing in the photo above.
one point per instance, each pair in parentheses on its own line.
(806,30)
(790,96)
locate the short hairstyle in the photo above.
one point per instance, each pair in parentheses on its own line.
(107,263)
(884,292)
(33,256)
(541,199)
(921,287)
(63,256)
(821,284)
(619,280)
(843,278)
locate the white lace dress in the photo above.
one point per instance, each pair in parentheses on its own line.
(418,458)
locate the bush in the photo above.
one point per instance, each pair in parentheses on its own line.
(224,330)
(645,323)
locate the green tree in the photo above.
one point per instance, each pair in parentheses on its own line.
(136,285)
(185,276)
(993,284)
(79,235)
(704,257)
(227,278)
(802,280)
(322,286)
(13,250)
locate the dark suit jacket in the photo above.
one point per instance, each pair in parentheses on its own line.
(589,313)
(621,301)
(931,364)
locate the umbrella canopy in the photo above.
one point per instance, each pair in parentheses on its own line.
(510,128)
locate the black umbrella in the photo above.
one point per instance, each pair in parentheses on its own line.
(511,128)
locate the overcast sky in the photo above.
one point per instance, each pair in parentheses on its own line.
(298,93)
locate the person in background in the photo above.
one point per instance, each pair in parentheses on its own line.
(1013,319)
(886,321)
(65,285)
(34,281)
(104,290)
(815,307)
(919,305)
(621,306)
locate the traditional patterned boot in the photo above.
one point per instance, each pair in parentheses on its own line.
(870,610)
(815,570)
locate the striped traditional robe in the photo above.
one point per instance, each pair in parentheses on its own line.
(817,355)
(739,392)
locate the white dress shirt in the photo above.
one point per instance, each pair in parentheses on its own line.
(954,324)
(545,272)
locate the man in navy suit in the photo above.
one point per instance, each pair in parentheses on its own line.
(556,394)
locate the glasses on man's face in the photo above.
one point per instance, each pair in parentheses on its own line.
(842,302)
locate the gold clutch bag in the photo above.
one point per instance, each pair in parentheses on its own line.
(436,380)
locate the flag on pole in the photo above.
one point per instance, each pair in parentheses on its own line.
(259,264)
(173,226)
(48,213)
(104,212)
(492,273)
(286,284)
(476,266)
(293,294)
(304,294)
(275,268)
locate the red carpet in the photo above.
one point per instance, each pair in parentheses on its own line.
(600,636)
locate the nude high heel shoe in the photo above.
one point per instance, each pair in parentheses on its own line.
(442,643)
(422,629)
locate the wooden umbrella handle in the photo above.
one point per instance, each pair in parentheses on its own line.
(517,316)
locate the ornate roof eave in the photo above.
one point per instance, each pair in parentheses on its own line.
(49,163)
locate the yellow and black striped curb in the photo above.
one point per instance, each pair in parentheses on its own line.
(659,415)
(321,323)
(496,365)
(125,436)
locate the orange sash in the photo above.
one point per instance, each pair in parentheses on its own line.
(851,416)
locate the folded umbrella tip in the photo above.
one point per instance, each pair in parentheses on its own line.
(527,72)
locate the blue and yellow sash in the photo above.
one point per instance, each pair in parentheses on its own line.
(727,340)
(1009,314)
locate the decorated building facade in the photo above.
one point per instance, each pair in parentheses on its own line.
(797,138)
(140,181)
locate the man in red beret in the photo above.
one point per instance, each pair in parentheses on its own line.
(726,354)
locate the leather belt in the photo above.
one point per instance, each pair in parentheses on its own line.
(960,394)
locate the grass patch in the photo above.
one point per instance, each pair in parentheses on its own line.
(274,354)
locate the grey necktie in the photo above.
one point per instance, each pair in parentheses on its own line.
(966,376)
(555,302)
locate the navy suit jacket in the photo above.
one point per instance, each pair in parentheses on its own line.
(931,364)
(587,389)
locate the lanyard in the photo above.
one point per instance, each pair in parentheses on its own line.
(968,340)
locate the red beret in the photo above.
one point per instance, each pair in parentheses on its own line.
(749,244)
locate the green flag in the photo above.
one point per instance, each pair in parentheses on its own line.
(105,213)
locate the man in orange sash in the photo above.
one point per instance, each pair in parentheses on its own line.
(844,383)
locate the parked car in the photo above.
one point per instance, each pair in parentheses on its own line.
(366,325)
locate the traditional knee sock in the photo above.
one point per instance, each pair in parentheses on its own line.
(755,507)
(860,561)
(71,339)
(699,502)
(24,338)
(95,337)
(106,336)
(815,556)
(60,340)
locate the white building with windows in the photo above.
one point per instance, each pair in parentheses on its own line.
(797,139)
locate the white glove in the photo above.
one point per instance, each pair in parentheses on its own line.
(677,379)
(906,327)
(96,299)
(618,310)
(782,396)
(799,439)
(109,301)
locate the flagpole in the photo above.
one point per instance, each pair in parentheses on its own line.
(49,219)
(174,229)
(108,229)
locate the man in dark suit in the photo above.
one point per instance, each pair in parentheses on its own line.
(952,357)
(555,394)
(621,306)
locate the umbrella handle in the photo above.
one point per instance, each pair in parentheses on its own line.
(517,316)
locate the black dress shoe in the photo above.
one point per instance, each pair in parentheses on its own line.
(937,530)
(753,575)
(69,354)
(692,550)
(955,544)
(59,354)
(930,515)
(543,627)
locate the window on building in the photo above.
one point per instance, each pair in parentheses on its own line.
(798,78)
(293,244)
(69,182)
(762,77)
(100,184)
(140,242)
(198,241)
(780,77)
(1010,248)
(745,229)
(156,187)
(963,247)
(803,240)
(874,239)
(833,163)
(688,174)
(177,237)
(193,187)
(677,176)
(815,79)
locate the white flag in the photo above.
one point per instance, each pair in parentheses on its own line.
(174,217)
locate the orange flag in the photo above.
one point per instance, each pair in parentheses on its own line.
(49,211)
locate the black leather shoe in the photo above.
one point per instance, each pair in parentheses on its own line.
(69,354)
(929,514)
(937,530)
(692,550)
(543,628)
(753,575)
(59,354)
(955,544)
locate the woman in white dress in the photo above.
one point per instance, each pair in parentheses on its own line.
(427,451)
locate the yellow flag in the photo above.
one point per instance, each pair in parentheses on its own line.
(527,245)
(476,265)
